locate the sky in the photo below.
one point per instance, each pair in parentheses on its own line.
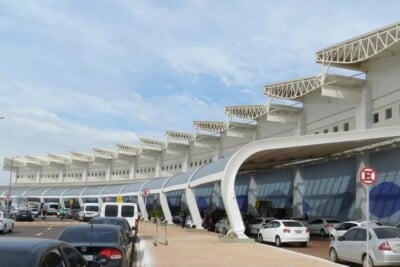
(81,74)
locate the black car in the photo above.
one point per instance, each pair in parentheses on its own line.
(103,243)
(40,252)
(23,215)
(120,221)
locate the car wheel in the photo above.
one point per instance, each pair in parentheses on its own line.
(365,262)
(333,255)
(278,241)
(12,228)
(260,238)
(303,244)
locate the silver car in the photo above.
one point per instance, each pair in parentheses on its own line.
(384,246)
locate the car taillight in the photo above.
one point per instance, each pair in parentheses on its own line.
(286,230)
(307,230)
(111,253)
(385,246)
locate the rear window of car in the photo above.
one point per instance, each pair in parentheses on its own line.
(92,208)
(383,233)
(332,221)
(127,211)
(293,224)
(83,235)
(111,211)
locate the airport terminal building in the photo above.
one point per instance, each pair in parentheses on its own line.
(300,153)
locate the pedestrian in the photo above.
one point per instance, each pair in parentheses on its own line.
(183,219)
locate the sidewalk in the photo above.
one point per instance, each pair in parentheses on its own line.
(198,248)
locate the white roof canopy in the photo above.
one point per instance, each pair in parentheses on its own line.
(210,126)
(59,159)
(179,137)
(128,150)
(151,144)
(353,52)
(81,157)
(296,89)
(37,161)
(104,153)
(251,112)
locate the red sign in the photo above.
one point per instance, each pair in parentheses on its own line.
(145,192)
(368,176)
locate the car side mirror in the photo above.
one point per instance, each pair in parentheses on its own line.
(94,264)
(340,238)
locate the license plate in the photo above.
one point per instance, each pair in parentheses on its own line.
(88,257)
(395,246)
(298,231)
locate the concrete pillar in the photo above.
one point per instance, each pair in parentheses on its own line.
(143,208)
(186,160)
(132,169)
(218,149)
(252,196)
(84,173)
(364,109)
(38,175)
(298,192)
(158,165)
(61,174)
(165,208)
(108,170)
(193,208)
(301,127)
(361,191)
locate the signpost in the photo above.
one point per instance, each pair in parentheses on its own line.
(368,176)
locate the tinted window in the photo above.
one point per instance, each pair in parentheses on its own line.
(346,226)
(127,211)
(350,235)
(107,221)
(332,221)
(111,211)
(14,258)
(318,221)
(74,257)
(292,224)
(52,259)
(383,233)
(256,221)
(92,208)
(82,235)
(53,206)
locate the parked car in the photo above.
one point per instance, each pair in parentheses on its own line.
(39,252)
(284,231)
(100,242)
(343,227)
(6,224)
(384,246)
(125,210)
(73,213)
(121,222)
(23,215)
(322,226)
(89,211)
(257,223)
(51,208)
(222,226)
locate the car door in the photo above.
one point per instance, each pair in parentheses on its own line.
(358,246)
(315,226)
(272,231)
(255,225)
(346,243)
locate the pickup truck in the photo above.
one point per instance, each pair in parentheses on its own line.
(6,224)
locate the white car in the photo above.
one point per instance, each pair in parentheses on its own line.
(6,224)
(322,226)
(257,223)
(284,231)
(342,228)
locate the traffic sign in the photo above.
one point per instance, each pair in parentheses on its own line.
(145,192)
(368,176)
(119,199)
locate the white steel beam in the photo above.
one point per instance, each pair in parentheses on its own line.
(128,150)
(293,89)
(151,144)
(354,51)
(59,159)
(210,126)
(37,161)
(179,137)
(251,112)
(104,153)
(81,157)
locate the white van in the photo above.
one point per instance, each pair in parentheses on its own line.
(89,211)
(120,209)
(51,207)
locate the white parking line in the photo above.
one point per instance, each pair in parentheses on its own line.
(39,234)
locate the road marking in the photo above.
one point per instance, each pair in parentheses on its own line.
(39,234)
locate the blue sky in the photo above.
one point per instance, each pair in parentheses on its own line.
(81,74)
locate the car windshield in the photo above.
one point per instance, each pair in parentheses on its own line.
(92,208)
(293,224)
(83,235)
(14,258)
(383,233)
